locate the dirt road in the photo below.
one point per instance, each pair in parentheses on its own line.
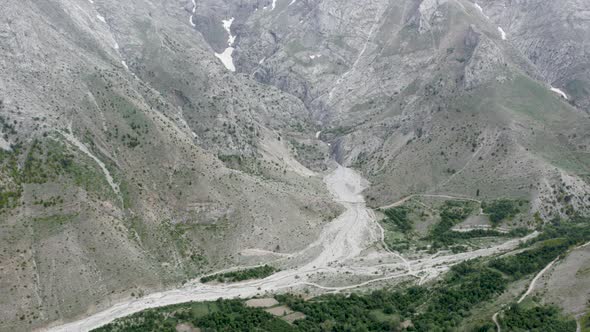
(342,241)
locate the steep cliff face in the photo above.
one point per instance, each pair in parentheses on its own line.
(427,96)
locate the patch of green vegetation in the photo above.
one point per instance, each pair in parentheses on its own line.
(130,126)
(502,209)
(51,159)
(245,164)
(437,309)
(235,316)
(536,319)
(40,168)
(306,152)
(221,315)
(400,235)
(575,230)
(529,261)
(557,238)
(585,322)
(253,273)
(161,319)
(386,315)
(443,306)
(479,233)
(451,214)
(50,225)
(9,199)
(399,217)
(7,127)
(52,201)
(10,187)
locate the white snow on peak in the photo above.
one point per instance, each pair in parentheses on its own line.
(292,2)
(124,64)
(261,61)
(274,4)
(101,18)
(560,92)
(502,33)
(116,46)
(226,58)
(318,134)
(91,1)
(315,56)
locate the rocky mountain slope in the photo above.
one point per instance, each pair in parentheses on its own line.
(145,142)
(132,160)
(427,96)
(554,37)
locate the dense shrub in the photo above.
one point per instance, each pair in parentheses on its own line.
(399,217)
(253,273)
(501,209)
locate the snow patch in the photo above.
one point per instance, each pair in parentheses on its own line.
(318,134)
(261,61)
(292,2)
(101,18)
(560,92)
(227,26)
(91,1)
(116,46)
(193,14)
(226,58)
(125,64)
(274,4)
(315,56)
(502,33)
(481,10)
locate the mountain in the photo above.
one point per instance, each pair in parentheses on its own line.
(426,96)
(147,142)
(554,37)
(132,160)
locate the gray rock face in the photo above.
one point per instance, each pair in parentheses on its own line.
(422,95)
(554,36)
